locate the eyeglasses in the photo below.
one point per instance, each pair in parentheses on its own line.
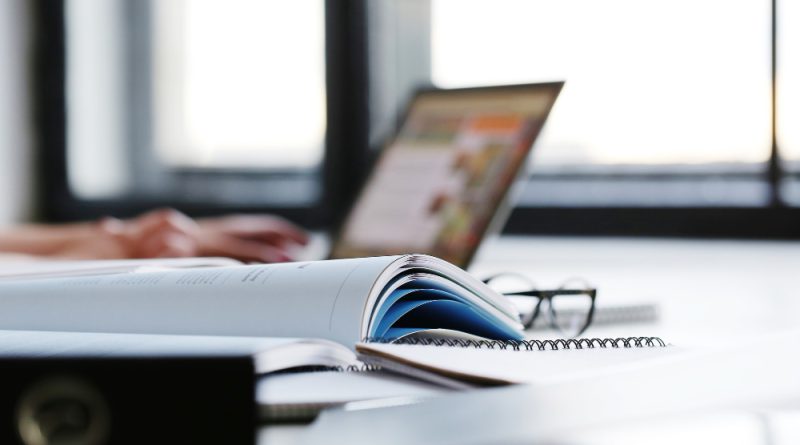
(568,309)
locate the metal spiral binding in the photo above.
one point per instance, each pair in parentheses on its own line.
(509,345)
(530,345)
(364,367)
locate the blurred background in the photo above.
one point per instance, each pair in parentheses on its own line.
(678,118)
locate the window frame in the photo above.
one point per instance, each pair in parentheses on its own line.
(348,155)
(345,154)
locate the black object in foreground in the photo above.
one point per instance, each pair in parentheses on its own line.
(95,400)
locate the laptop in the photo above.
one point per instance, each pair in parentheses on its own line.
(441,185)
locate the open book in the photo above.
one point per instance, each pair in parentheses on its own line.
(345,301)
(30,268)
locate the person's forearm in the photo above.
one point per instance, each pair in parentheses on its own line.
(35,239)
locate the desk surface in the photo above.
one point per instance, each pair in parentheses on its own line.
(708,292)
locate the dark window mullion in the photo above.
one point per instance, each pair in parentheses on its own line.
(348,117)
(774,168)
(50,107)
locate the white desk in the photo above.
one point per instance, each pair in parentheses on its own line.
(707,291)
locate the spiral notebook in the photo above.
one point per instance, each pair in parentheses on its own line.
(460,363)
(747,373)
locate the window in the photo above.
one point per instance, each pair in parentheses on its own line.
(653,91)
(230,92)
(788,103)
(177,95)
(665,125)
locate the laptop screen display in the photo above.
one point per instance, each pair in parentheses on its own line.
(439,184)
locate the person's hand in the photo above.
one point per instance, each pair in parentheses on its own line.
(261,238)
(160,233)
(169,233)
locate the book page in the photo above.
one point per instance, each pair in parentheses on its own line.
(16,269)
(321,299)
(287,396)
(497,366)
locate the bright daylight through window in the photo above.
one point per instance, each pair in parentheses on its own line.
(657,85)
(198,85)
(789,82)
(788,104)
(229,89)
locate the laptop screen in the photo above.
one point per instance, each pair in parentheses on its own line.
(439,185)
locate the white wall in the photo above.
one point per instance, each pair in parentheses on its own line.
(16,141)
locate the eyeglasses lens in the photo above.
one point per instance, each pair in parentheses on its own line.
(510,283)
(569,313)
